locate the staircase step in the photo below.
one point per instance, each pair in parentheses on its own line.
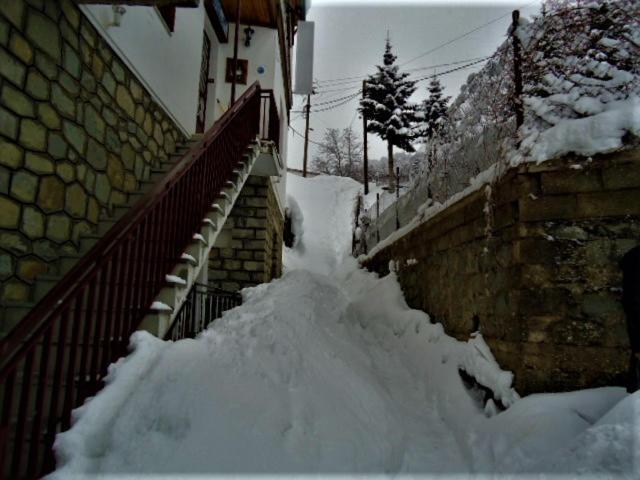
(12,313)
(66,263)
(134,197)
(104,225)
(44,283)
(88,241)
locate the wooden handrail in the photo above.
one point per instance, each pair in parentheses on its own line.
(62,348)
(52,301)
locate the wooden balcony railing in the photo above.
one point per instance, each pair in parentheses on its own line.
(59,353)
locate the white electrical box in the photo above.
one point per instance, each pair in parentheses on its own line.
(304,59)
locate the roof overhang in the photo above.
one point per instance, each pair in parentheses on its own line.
(147,3)
(261,13)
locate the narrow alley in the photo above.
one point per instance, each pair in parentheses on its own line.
(326,370)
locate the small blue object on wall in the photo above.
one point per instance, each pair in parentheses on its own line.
(261,69)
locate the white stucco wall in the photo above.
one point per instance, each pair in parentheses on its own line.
(264,50)
(167,63)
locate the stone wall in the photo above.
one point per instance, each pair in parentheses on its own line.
(77,132)
(249,250)
(537,273)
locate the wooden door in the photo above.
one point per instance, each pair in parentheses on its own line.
(204,84)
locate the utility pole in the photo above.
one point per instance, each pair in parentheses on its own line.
(377,217)
(364,135)
(235,55)
(517,73)
(397,197)
(306,136)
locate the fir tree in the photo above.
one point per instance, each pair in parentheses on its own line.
(386,106)
(434,118)
(434,110)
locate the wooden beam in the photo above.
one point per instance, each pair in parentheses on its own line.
(145,3)
(285,59)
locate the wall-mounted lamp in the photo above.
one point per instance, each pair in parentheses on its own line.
(118,13)
(248,33)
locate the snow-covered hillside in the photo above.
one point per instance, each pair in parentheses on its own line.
(327,371)
(581,94)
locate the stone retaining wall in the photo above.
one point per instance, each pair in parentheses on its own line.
(249,250)
(537,273)
(77,132)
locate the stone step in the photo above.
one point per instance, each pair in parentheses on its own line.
(134,197)
(12,313)
(88,241)
(104,225)
(44,283)
(66,263)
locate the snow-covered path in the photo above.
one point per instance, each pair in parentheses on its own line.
(328,371)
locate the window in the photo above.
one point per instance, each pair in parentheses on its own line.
(242,71)
(168,14)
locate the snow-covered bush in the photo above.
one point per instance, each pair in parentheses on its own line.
(580,61)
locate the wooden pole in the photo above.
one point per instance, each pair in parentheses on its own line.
(364,135)
(306,137)
(235,54)
(517,73)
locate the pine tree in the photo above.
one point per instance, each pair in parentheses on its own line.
(386,106)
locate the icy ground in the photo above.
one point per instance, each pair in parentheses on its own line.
(327,371)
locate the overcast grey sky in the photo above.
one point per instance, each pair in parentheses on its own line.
(349,41)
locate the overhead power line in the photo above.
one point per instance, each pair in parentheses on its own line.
(461,67)
(302,136)
(466,34)
(355,83)
(331,107)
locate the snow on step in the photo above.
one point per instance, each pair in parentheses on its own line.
(160,307)
(189,258)
(175,280)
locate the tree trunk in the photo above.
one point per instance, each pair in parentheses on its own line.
(391,173)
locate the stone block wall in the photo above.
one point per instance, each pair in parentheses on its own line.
(249,251)
(536,272)
(77,132)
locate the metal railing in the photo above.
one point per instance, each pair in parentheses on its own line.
(269,120)
(58,354)
(202,306)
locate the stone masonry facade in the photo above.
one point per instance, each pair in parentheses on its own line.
(77,132)
(536,272)
(250,250)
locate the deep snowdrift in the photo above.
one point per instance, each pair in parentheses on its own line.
(328,371)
